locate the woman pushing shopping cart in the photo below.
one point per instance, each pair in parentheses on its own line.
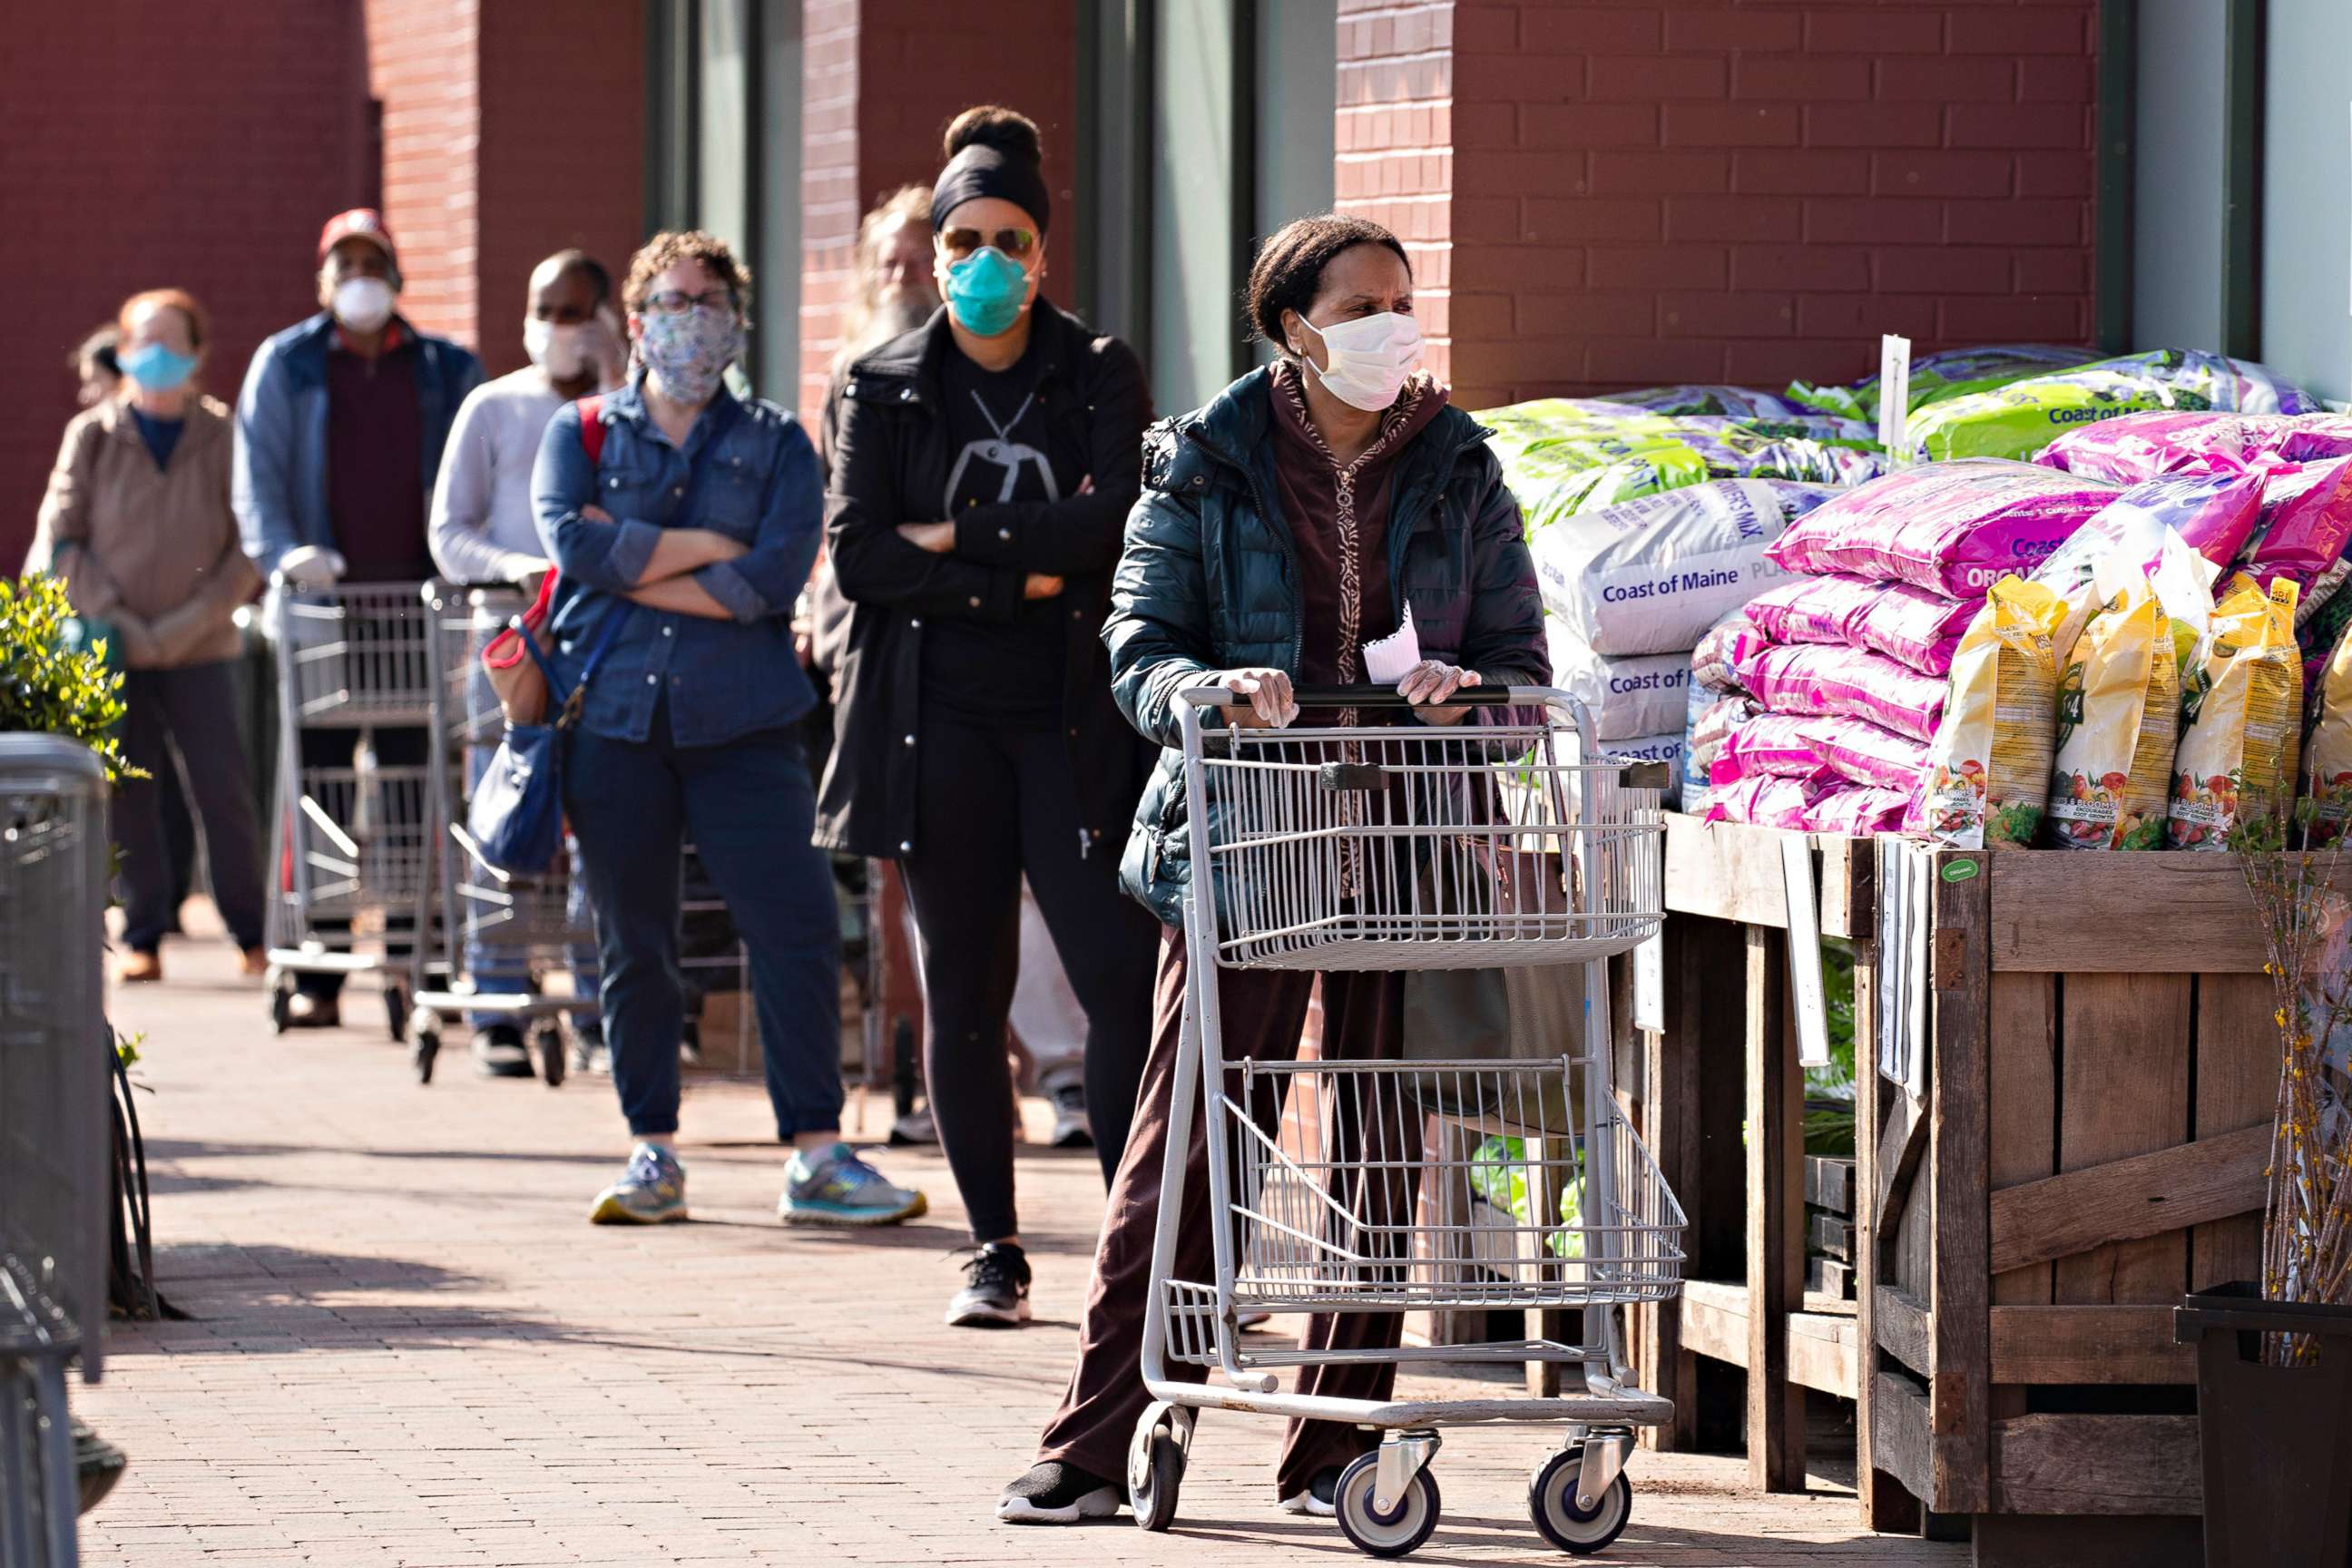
(1317,521)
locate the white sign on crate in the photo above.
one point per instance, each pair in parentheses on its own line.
(1894,393)
(1805,952)
(1650,986)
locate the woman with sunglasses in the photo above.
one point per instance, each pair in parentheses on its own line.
(982,470)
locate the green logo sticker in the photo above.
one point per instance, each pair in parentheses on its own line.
(1960,870)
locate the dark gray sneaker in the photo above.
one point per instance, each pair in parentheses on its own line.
(652,1191)
(995,1294)
(1057,1492)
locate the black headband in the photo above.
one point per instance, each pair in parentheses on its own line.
(978,172)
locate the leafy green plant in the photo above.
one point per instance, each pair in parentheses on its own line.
(50,685)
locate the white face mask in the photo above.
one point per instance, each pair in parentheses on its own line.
(559,349)
(363,304)
(1369,357)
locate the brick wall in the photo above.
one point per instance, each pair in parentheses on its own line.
(424,60)
(209,165)
(882,77)
(1690,190)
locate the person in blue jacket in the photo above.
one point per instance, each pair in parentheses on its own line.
(683,541)
(339,435)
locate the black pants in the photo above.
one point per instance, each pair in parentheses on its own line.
(191,711)
(992,805)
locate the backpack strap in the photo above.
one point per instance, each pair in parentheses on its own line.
(592,428)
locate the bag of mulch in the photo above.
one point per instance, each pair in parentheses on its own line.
(2240,715)
(1858,811)
(2328,751)
(1862,754)
(1651,575)
(1989,763)
(1672,750)
(1765,800)
(2118,721)
(2021,419)
(1649,695)
(1955,372)
(1953,529)
(1715,663)
(2139,446)
(1814,679)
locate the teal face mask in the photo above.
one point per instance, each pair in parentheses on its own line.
(157,368)
(986,290)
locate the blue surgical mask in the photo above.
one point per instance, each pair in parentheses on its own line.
(157,368)
(986,290)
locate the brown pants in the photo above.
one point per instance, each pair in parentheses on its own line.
(1262,1013)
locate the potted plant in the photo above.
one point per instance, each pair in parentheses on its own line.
(2275,1355)
(56,676)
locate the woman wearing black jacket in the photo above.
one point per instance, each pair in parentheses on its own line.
(982,470)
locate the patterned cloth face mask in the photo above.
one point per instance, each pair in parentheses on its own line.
(690,352)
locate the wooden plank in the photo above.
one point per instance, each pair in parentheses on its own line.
(2098,1464)
(1847,876)
(2124,1200)
(1903,1330)
(1725,870)
(1902,1139)
(2086,1540)
(1714,1321)
(2125,1092)
(1829,1237)
(1829,1182)
(1959,1399)
(1880,1499)
(2088,1344)
(1823,1353)
(1901,1443)
(2022,1125)
(1776,1217)
(1828,1279)
(2061,912)
(2237,1087)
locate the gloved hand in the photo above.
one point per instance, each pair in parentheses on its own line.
(312,567)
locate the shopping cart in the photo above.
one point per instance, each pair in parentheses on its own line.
(534,919)
(1497,843)
(350,830)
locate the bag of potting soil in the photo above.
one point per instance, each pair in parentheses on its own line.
(2021,419)
(2136,446)
(1715,663)
(1739,401)
(2140,528)
(1815,679)
(1562,455)
(1712,718)
(1765,800)
(1773,743)
(1914,626)
(1863,754)
(1651,575)
(2305,521)
(1670,750)
(1645,695)
(2240,716)
(2328,751)
(1951,528)
(2118,723)
(1988,764)
(1955,372)
(1858,811)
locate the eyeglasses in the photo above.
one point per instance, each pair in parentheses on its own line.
(1016,243)
(677,302)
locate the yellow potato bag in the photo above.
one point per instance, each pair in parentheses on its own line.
(2118,719)
(2327,755)
(1988,766)
(2241,716)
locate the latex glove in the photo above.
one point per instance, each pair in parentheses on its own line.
(1428,684)
(1270,706)
(312,567)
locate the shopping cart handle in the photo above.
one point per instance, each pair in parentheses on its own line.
(1355,696)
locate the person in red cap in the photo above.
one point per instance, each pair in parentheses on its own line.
(340,430)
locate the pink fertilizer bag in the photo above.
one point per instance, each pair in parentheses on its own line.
(1816,679)
(1857,811)
(1915,626)
(1773,743)
(1954,528)
(1861,753)
(1765,801)
(2135,446)
(2305,521)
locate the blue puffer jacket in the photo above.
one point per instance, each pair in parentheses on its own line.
(277,484)
(1209,582)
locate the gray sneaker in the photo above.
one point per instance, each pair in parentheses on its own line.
(652,1190)
(838,1188)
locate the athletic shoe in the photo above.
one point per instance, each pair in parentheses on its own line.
(499,1052)
(1071,1128)
(1056,1492)
(839,1188)
(1317,1498)
(913,1129)
(142,969)
(996,1289)
(652,1190)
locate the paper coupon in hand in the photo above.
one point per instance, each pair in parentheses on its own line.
(1387,659)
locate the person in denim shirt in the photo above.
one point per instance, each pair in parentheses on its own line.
(697,524)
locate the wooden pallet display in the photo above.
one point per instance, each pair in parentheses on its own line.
(2090,1145)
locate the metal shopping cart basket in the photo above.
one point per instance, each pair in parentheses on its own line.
(534,917)
(348,834)
(1497,843)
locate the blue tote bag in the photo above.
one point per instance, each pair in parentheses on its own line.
(516,813)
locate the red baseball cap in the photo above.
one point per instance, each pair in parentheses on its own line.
(359,223)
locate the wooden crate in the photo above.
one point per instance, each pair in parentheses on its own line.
(1726,1060)
(2090,1145)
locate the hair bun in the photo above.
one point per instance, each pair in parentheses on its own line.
(992,125)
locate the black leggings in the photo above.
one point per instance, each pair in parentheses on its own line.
(991,805)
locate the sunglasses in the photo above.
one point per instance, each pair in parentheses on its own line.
(1016,243)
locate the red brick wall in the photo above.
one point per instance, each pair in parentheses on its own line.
(209,165)
(882,77)
(424,60)
(1696,190)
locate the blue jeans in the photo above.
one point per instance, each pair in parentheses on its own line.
(749,809)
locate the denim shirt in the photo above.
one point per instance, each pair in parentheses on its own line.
(760,485)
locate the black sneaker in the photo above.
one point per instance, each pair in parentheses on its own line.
(996,1289)
(499,1052)
(1057,1492)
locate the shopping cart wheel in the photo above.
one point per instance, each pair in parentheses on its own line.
(396,1011)
(1551,1501)
(549,1042)
(1155,1464)
(1391,1535)
(424,1052)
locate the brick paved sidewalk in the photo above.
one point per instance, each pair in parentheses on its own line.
(407,1348)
